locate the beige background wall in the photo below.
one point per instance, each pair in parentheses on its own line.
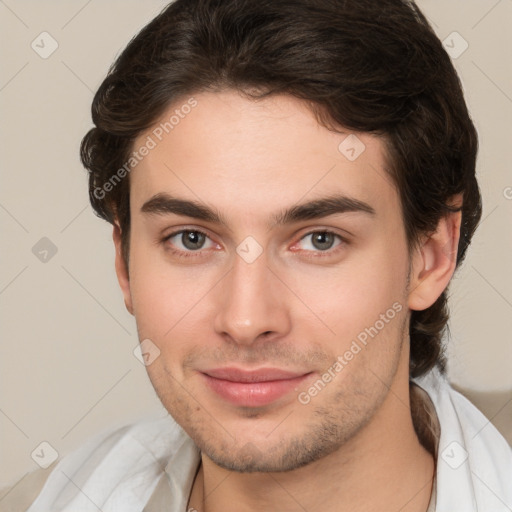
(67,368)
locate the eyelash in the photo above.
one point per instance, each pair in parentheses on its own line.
(198,253)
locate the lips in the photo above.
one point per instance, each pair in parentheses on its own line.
(261,375)
(252,388)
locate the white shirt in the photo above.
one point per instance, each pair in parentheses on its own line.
(121,470)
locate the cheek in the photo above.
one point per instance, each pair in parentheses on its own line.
(349,299)
(155,302)
(168,300)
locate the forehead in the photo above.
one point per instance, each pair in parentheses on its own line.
(242,155)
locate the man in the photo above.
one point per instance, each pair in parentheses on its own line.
(291,186)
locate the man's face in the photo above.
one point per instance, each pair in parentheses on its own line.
(251,310)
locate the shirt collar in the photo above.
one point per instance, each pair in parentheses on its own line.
(181,470)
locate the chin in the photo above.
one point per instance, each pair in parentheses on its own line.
(273,454)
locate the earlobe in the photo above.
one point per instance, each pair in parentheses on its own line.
(434,262)
(121,268)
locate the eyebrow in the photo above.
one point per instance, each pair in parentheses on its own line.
(164,204)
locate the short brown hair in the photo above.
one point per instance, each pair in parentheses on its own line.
(368,66)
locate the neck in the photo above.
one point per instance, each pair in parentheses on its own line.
(385,467)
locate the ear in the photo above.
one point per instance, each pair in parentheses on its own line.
(122,269)
(433,262)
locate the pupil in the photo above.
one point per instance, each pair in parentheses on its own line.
(323,240)
(192,240)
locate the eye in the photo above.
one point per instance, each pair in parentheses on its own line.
(189,240)
(320,241)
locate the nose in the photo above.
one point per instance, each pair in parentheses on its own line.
(252,303)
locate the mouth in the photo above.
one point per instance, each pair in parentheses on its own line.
(253,388)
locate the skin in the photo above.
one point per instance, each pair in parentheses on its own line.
(296,307)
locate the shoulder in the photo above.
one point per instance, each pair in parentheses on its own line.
(121,465)
(497,406)
(473,457)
